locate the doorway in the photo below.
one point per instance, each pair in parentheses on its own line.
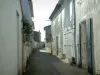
(85,30)
(83,44)
(57,44)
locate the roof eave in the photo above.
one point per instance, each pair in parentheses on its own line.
(56,8)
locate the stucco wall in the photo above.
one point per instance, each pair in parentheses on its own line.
(68,30)
(36,45)
(60,28)
(57,32)
(49,47)
(86,9)
(10,53)
(27,53)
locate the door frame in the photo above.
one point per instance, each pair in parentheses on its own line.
(80,51)
(90,21)
(57,44)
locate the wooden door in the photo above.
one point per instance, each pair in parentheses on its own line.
(83,45)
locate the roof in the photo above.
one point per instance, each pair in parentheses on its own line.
(56,8)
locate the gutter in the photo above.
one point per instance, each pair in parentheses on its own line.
(22,40)
(56,8)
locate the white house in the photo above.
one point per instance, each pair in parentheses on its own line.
(87,34)
(63,29)
(10,37)
(48,38)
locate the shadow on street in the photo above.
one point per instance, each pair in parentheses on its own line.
(40,63)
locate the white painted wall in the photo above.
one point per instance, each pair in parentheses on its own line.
(86,9)
(27,52)
(8,37)
(48,47)
(57,31)
(35,45)
(60,27)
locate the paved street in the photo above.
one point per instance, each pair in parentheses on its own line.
(41,63)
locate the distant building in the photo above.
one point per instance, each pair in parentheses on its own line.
(48,34)
(37,39)
(43,44)
(48,38)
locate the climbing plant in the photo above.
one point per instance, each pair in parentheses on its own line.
(27,30)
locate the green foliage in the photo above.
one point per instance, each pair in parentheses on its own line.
(27,30)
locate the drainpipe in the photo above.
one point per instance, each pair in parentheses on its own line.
(22,39)
(75,31)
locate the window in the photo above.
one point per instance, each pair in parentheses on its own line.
(71,6)
(71,20)
(59,18)
(63,17)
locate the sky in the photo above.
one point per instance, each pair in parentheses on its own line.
(42,11)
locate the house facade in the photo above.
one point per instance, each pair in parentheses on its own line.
(75,32)
(37,39)
(87,34)
(48,38)
(63,29)
(57,30)
(10,37)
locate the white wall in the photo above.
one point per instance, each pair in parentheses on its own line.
(85,10)
(35,44)
(68,31)
(8,37)
(48,47)
(61,29)
(57,31)
(27,52)
(28,48)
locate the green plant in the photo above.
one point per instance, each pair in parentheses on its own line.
(27,30)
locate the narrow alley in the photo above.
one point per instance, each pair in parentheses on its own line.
(42,63)
(49,37)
